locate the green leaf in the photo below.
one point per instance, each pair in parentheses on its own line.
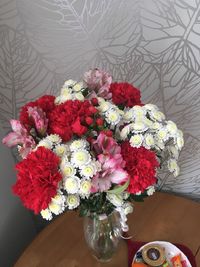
(83,212)
(139,198)
(119,189)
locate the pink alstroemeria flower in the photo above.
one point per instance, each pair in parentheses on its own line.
(19,136)
(40,119)
(99,82)
(106,145)
(111,172)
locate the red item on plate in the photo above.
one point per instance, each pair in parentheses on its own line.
(176,261)
(134,246)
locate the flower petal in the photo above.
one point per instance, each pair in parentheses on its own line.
(118,176)
(12,139)
(18,127)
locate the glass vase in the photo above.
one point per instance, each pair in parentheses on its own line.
(102,234)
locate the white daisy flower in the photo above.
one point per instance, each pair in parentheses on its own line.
(54,138)
(159,144)
(173,167)
(138,112)
(58,199)
(115,199)
(88,170)
(46,214)
(85,187)
(138,126)
(128,208)
(156,126)
(148,122)
(45,143)
(180,142)
(171,127)
(150,190)
(128,115)
(148,141)
(113,117)
(78,144)
(177,171)
(173,151)
(66,91)
(136,140)
(79,96)
(125,132)
(61,150)
(78,86)
(179,133)
(64,98)
(104,106)
(162,134)
(67,169)
(72,185)
(57,100)
(56,208)
(72,201)
(80,158)
(150,107)
(69,83)
(157,115)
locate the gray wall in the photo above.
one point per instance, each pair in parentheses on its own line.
(154,44)
(16,226)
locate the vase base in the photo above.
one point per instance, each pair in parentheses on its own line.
(102,260)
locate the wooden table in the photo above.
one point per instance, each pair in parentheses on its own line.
(159,217)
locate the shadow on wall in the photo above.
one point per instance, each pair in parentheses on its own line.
(16,226)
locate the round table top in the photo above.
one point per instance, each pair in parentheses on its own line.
(160,217)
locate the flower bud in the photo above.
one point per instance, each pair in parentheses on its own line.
(93,110)
(89,120)
(94,101)
(108,133)
(99,121)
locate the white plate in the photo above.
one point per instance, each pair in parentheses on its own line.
(171,251)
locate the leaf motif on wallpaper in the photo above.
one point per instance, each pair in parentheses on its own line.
(171,33)
(8,13)
(64,32)
(23,76)
(189,176)
(180,90)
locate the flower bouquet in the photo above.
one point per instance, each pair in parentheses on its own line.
(95,147)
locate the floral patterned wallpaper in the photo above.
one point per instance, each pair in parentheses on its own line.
(154,44)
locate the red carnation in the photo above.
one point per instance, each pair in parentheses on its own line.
(24,117)
(125,94)
(46,103)
(69,118)
(37,179)
(141,165)
(77,128)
